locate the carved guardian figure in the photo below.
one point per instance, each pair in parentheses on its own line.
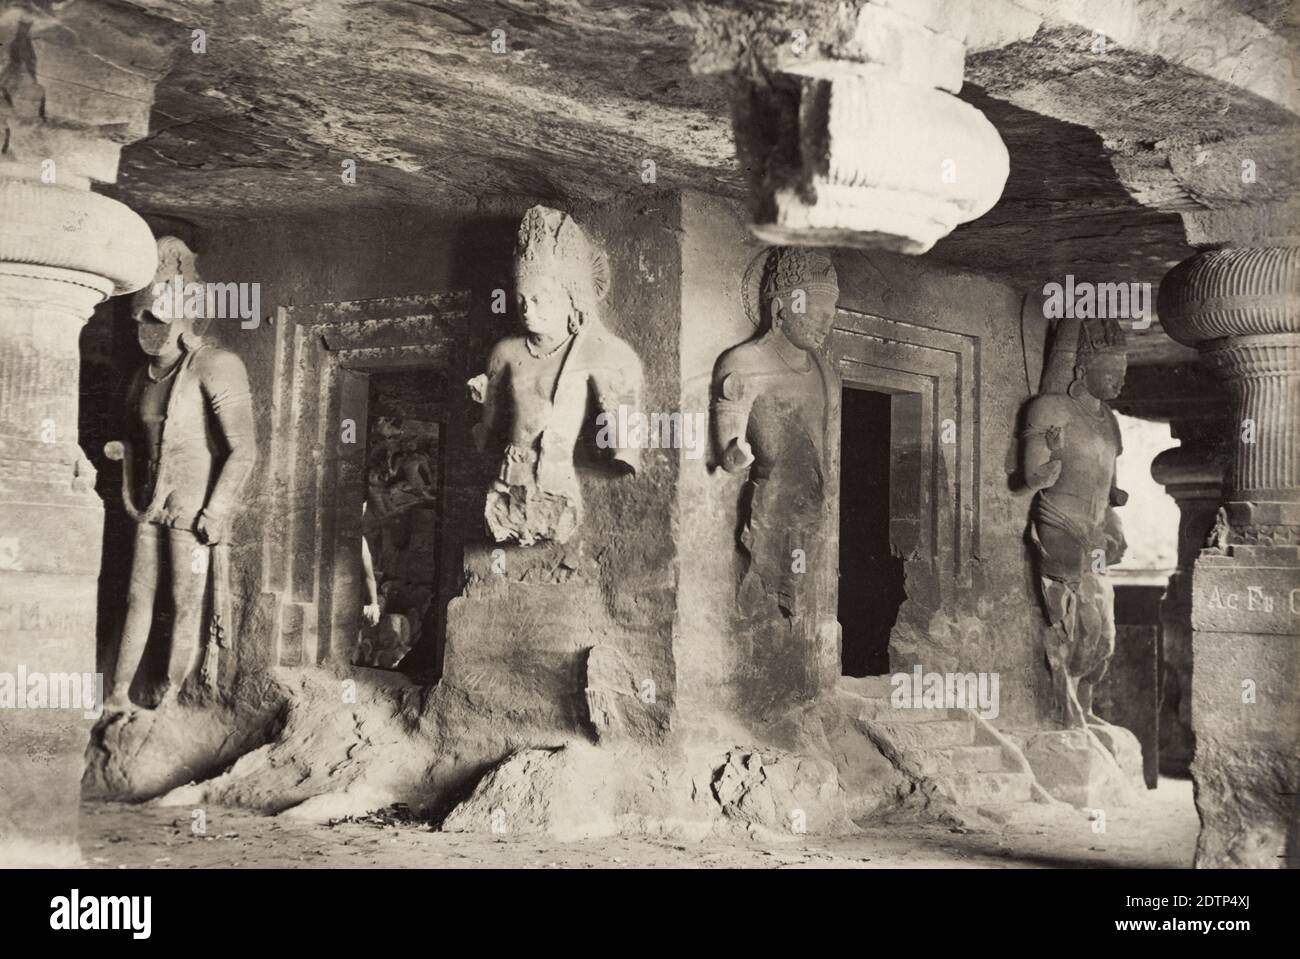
(1068,453)
(536,389)
(772,399)
(190,451)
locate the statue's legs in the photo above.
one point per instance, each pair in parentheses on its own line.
(1078,602)
(189,577)
(783,539)
(1096,643)
(145,568)
(1061,603)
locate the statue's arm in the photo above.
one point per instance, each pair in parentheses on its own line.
(486,388)
(617,382)
(1116,544)
(733,398)
(1118,497)
(123,451)
(1041,443)
(224,382)
(370,613)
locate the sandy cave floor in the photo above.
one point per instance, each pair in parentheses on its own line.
(1160,831)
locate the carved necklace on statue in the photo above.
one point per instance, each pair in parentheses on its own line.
(811,365)
(528,342)
(158,375)
(1098,415)
(794,369)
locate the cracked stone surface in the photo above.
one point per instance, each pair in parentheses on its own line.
(1110,152)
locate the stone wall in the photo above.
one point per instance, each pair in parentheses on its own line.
(970,603)
(630,630)
(574,638)
(339,256)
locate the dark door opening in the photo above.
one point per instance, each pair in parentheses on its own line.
(403,526)
(871,577)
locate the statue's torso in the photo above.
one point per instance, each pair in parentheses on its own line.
(787,426)
(533,392)
(152,414)
(180,446)
(1090,446)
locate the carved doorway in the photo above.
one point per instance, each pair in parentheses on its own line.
(364,390)
(871,574)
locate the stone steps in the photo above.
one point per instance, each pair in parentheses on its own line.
(976,759)
(868,687)
(936,734)
(974,789)
(949,747)
(882,711)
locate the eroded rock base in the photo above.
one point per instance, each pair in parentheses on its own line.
(337,748)
(1094,768)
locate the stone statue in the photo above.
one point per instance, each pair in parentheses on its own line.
(190,451)
(1068,453)
(535,392)
(772,401)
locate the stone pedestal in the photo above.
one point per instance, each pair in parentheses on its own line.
(1241,307)
(847,121)
(63,249)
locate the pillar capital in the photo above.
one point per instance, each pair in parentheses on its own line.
(1241,308)
(80,86)
(847,119)
(1232,292)
(74,236)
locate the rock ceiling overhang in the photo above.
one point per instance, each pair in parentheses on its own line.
(1110,151)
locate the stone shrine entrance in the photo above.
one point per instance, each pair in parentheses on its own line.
(402,523)
(871,577)
(909,459)
(363,400)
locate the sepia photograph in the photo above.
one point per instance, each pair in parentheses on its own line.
(742,436)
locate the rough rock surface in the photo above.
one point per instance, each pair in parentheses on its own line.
(346,747)
(141,754)
(563,793)
(584,93)
(1074,766)
(619,702)
(347,751)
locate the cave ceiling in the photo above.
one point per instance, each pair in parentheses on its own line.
(1107,152)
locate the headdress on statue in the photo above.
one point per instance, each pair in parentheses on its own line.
(1074,342)
(794,268)
(551,242)
(177,269)
(1099,336)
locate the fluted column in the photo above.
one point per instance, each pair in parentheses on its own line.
(1241,308)
(83,86)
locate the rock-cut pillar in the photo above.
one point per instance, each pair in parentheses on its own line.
(1241,308)
(79,84)
(1193,475)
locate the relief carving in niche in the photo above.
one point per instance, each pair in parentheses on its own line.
(772,402)
(401,519)
(1068,451)
(535,392)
